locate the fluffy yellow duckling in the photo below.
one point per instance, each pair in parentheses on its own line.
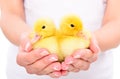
(73,35)
(45,28)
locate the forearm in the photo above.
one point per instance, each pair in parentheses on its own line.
(109,35)
(12,20)
(13,26)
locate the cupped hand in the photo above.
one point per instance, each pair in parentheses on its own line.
(38,61)
(81,59)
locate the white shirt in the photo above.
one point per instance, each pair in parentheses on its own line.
(91,13)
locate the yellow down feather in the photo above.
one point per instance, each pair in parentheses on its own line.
(73,35)
(70,37)
(45,28)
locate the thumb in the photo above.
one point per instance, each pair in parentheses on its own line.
(94,45)
(25,43)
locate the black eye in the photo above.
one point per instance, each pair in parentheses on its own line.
(43,27)
(72,25)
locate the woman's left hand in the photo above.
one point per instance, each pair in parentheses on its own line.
(82,58)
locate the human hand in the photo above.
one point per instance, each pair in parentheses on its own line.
(37,61)
(82,58)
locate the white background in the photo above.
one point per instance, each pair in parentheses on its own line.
(3,48)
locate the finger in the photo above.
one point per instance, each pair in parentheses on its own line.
(56,66)
(26,45)
(38,66)
(55,74)
(73,69)
(64,72)
(93,58)
(84,54)
(64,66)
(67,64)
(26,42)
(35,38)
(80,64)
(24,58)
(69,67)
(94,45)
(68,60)
(76,70)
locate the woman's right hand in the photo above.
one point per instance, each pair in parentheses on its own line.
(37,61)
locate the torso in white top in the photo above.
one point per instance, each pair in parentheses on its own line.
(91,13)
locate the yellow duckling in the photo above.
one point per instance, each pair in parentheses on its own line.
(73,35)
(45,28)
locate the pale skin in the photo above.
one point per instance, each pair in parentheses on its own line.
(14,27)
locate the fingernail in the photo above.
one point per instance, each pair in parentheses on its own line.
(35,39)
(57,74)
(64,66)
(56,67)
(78,54)
(53,58)
(64,73)
(44,53)
(27,46)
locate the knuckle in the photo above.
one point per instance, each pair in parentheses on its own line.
(18,60)
(53,76)
(89,54)
(49,59)
(86,67)
(37,68)
(36,55)
(29,71)
(76,70)
(39,73)
(95,58)
(28,60)
(32,70)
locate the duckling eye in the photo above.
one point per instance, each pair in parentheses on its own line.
(43,27)
(72,25)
